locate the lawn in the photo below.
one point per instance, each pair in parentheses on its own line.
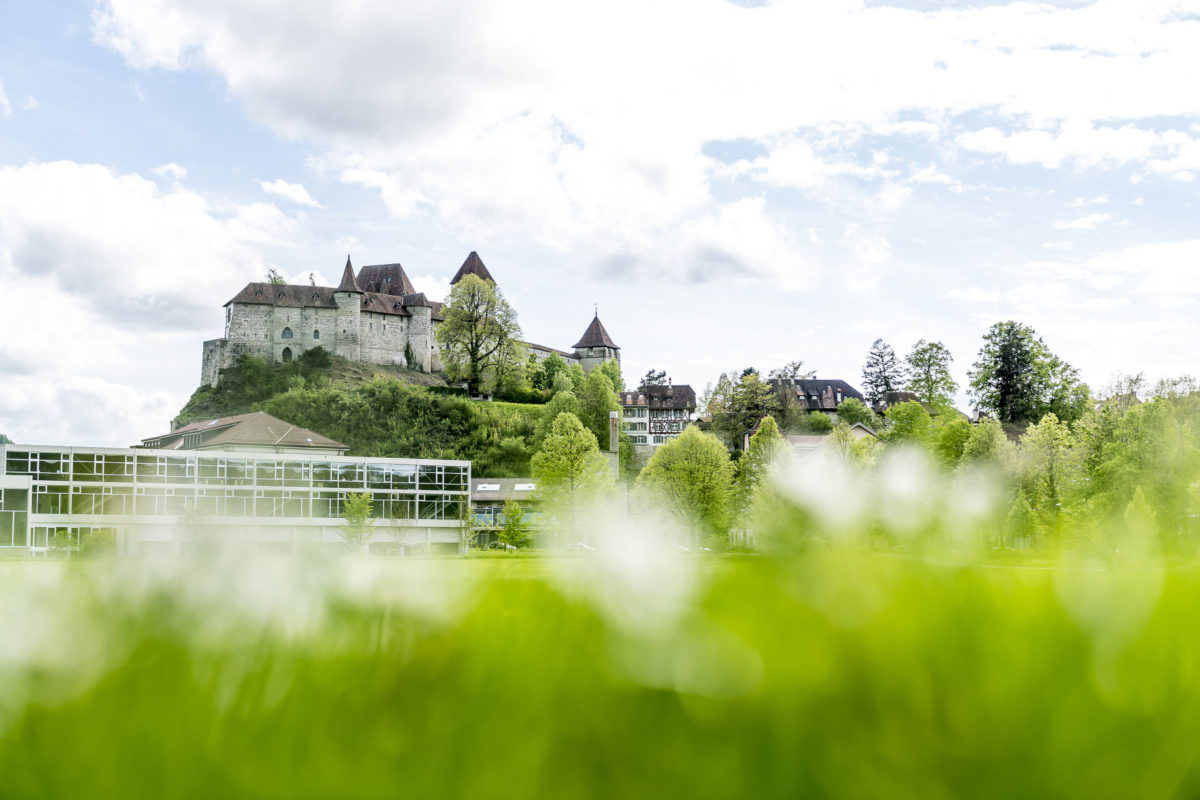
(836,672)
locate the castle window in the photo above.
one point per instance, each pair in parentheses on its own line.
(287,354)
(287,333)
(316,334)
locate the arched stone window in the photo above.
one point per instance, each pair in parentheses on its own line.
(316,335)
(287,354)
(287,333)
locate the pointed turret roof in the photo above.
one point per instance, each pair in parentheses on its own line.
(472,266)
(596,336)
(348,283)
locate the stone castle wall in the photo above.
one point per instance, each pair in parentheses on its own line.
(260,330)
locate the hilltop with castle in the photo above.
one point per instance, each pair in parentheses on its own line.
(376,316)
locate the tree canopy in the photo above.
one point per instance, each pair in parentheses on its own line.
(569,468)
(1019,380)
(691,477)
(736,404)
(569,461)
(881,373)
(652,378)
(477,332)
(596,402)
(927,369)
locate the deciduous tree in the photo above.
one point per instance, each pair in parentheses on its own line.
(927,369)
(908,423)
(515,531)
(356,528)
(477,330)
(596,402)
(853,410)
(1019,380)
(691,477)
(738,403)
(569,468)
(792,371)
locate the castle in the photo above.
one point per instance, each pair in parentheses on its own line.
(377,316)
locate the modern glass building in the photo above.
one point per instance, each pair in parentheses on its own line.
(177,500)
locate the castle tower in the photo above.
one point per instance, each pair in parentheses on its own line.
(596,346)
(420,331)
(349,302)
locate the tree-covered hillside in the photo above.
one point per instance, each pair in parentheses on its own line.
(377,411)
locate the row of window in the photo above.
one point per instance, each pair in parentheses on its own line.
(653,439)
(493,517)
(212,502)
(157,469)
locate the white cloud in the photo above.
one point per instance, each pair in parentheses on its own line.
(435,287)
(494,120)
(1077,141)
(931,174)
(30,103)
(110,283)
(5,106)
(973,294)
(142,255)
(1085,223)
(292,191)
(869,248)
(173,171)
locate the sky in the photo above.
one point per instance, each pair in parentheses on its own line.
(732,184)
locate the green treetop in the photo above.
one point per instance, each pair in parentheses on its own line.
(1047,468)
(1019,380)
(927,369)
(542,376)
(569,467)
(612,368)
(595,403)
(515,532)
(881,373)
(691,477)
(356,527)
(765,446)
(908,423)
(737,403)
(477,330)
(853,410)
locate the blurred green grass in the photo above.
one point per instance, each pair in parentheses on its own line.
(839,672)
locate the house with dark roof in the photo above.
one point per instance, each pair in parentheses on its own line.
(656,415)
(258,432)
(376,316)
(822,395)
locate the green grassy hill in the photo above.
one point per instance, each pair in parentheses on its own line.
(376,410)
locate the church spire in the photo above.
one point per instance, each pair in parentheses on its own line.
(348,283)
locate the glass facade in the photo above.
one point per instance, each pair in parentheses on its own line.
(94,483)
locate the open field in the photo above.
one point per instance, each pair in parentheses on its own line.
(839,672)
